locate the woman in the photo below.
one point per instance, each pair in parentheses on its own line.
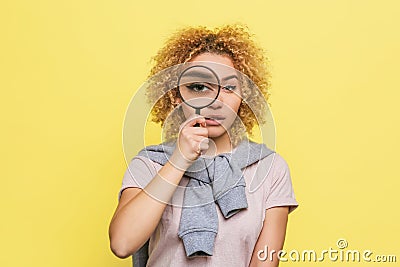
(236,226)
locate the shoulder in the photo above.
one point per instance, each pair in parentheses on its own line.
(143,159)
(140,170)
(280,188)
(279,170)
(273,163)
(268,171)
(279,165)
(139,162)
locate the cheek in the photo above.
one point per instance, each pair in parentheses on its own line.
(231,110)
(187,111)
(235,104)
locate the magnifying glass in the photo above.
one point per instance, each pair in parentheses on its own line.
(199,87)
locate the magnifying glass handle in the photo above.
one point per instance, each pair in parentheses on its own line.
(198,113)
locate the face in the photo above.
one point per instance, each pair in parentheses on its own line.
(221,114)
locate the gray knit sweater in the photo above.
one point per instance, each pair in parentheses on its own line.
(213,182)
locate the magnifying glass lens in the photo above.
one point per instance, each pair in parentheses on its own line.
(199,87)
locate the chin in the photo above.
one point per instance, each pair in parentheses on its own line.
(216,131)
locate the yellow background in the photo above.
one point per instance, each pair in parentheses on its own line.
(69,69)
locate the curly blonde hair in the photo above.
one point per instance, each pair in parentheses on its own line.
(232,40)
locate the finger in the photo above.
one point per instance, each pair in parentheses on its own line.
(199,131)
(192,120)
(194,133)
(203,147)
(195,118)
(201,139)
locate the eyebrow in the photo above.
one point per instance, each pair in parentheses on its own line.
(197,74)
(230,77)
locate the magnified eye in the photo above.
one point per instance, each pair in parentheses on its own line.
(198,87)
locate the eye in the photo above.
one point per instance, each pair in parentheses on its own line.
(229,87)
(198,87)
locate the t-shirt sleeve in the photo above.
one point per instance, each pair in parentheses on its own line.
(138,174)
(281,191)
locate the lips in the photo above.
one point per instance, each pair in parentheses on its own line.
(214,120)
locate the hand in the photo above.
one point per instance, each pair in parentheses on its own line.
(192,142)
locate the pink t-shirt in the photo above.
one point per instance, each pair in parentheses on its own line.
(268,184)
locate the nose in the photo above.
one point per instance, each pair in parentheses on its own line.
(218,103)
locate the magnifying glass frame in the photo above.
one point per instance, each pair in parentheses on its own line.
(197,108)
